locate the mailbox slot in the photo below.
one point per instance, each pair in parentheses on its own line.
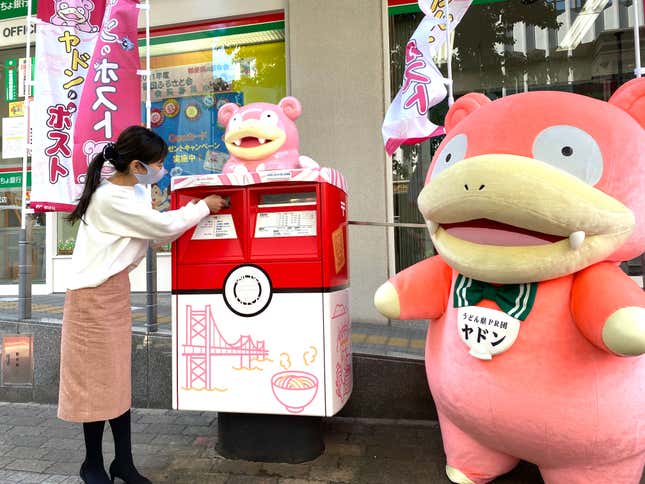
(219,237)
(284,222)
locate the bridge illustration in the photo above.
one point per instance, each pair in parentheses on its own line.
(205,342)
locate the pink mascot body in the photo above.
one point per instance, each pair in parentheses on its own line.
(262,136)
(534,346)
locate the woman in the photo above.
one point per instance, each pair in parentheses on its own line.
(117,223)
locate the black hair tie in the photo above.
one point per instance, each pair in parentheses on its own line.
(110,153)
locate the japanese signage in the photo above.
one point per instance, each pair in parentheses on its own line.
(195,146)
(14,82)
(485,331)
(84,94)
(406,121)
(110,100)
(188,80)
(22,74)
(13,179)
(15,8)
(301,223)
(13,137)
(11,80)
(62,62)
(219,226)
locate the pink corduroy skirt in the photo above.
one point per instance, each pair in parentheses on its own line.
(95,381)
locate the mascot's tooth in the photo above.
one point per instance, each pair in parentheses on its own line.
(238,142)
(576,239)
(261,140)
(432,226)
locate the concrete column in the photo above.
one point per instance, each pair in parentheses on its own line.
(339,70)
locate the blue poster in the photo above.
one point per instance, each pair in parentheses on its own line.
(195,140)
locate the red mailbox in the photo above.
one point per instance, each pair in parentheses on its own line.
(260,300)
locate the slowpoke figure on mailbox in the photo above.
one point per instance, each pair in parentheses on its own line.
(262,136)
(535,346)
(261,325)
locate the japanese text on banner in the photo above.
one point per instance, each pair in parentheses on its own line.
(406,121)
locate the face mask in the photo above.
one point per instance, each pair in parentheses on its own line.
(152,175)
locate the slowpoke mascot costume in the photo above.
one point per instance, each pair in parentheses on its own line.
(533,348)
(262,136)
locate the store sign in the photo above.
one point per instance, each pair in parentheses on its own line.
(15,8)
(189,125)
(22,75)
(13,179)
(14,32)
(189,80)
(11,80)
(15,75)
(13,137)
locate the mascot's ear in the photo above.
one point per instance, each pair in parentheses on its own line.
(630,97)
(464,107)
(291,107)
(226,112)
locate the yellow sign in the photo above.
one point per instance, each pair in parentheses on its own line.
(338,243)
(16,109)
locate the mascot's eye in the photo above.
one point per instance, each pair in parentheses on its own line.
(571,149)
(235,121)
(63,6)
(453,151)
(80,9)
(269,117)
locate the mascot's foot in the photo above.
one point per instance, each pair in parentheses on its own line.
(468,461)
(456,476)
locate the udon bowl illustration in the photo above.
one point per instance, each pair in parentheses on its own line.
(294,389)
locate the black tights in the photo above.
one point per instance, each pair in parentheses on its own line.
(93,432)
(93,470)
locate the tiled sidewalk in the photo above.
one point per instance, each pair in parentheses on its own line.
(179,447)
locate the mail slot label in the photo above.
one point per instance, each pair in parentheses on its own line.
(300,223)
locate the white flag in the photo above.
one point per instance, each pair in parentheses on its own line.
(406,121)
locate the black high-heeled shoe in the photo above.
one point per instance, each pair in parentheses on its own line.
(127,473)
(93,475)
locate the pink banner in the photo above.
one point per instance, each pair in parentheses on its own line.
(64,47)
(111,99)
(82,15)
(406,120)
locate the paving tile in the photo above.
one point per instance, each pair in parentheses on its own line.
(20,452)
(65,468)
(32,465)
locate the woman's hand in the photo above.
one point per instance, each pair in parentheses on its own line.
(215,203)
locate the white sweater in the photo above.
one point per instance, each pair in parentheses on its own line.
(117,226)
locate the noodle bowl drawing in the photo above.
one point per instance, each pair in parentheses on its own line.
(294,389)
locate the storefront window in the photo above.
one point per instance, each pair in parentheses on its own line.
(193,77)
(505,47)
(13,68)
(193,73)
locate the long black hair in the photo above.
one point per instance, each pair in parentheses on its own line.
(134,143)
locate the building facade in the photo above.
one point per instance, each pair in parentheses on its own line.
(344,60)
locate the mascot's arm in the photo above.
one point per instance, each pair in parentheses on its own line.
(609,309)
(418,292)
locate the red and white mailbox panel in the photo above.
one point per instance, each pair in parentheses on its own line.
(260,300)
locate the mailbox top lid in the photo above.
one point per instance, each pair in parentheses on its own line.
(322,175)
